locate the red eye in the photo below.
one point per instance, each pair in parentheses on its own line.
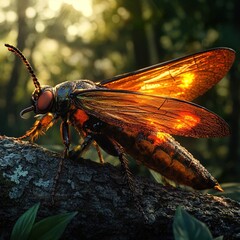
(44,101)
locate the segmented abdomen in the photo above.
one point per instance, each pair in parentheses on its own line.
(162,153)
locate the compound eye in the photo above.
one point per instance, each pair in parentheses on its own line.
(44,101)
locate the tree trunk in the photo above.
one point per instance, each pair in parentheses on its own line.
(105,206)
(22,34)
(138,33)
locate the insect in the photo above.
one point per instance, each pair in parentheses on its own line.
(136,113)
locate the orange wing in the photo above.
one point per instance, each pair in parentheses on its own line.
(150,113)
(183,78)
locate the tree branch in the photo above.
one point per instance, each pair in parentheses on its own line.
(101,197)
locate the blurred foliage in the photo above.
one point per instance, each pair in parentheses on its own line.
(93,39)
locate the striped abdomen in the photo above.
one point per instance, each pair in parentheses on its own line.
(162,153)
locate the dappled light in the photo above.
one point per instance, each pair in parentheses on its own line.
(85,7)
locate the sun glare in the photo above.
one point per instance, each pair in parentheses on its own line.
(84,6)
(187,80)
(187,121)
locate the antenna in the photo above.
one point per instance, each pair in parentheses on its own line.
(27,64)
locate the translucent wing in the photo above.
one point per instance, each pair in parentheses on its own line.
(183,78)
(150,113)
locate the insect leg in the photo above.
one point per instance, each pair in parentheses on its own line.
(98,152)
(40,126)
(66,141)
(77,151)
(56,180)
(128,176)
(65,137)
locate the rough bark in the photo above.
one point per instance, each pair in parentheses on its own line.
(101,197)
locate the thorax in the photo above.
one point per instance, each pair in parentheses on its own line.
(62,93)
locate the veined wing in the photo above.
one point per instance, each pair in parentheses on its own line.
(184,78)
(152,113)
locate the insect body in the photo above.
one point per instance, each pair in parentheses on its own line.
(135,113)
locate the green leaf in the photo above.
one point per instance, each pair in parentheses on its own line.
(161,179)
(24,224)
(157,177)
(52,227)
(187,227)
(219,238)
